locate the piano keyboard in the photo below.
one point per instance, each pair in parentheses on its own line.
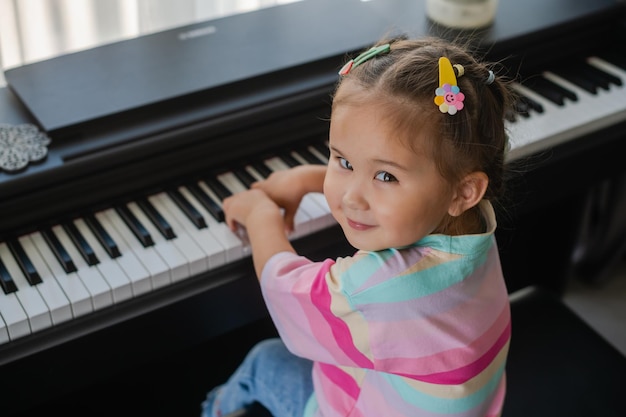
(568,102)
(88,264)
(69,270)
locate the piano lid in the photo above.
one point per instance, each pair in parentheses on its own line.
(97,83)
(113,78)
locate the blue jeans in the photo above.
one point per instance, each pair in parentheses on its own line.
(270,375)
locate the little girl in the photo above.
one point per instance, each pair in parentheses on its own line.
(417,322)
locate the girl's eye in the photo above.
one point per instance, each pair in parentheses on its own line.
(344,163)
(385,177)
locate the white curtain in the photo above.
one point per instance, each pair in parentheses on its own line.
(33,30)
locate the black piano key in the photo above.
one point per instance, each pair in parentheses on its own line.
(552,91)
(218,188)
(322,148)
(209,204)
(81,243)
(532,104)
(59,251)
(510,115)
(576,75)
(596,76)
(6,282)
(245,177)
(27,267)
(261,168)
(522,108)
(103,236)
(156,218)
(614,56)
(289,160)
(133,223)
(604,78)
(190,211)
(309,157)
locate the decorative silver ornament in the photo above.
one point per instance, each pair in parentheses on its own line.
(20,145)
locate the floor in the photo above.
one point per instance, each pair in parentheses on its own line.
(603,306)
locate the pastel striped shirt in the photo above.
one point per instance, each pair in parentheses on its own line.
(422,330)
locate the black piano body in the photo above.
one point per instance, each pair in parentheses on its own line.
(228,92)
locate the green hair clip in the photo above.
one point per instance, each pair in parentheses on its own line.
(363,57)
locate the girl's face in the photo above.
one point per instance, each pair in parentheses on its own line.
(382,193)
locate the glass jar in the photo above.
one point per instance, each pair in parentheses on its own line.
(462,14)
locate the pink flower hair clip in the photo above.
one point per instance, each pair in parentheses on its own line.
(448,96)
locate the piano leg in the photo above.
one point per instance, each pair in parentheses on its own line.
(601,244)
(545,237)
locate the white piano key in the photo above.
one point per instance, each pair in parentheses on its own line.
(299,155)
(33,304)
(4,331)
(213,249)
(58,303)
(95,283)
(169,251)
(71,284)
(159,270)
(210,192)
(254,172)
(202,255)
(607,67)
(136,272)
(231,182)
(120,284)
(318,154)
(15,318)
(234,246)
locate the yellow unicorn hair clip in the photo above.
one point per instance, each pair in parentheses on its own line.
(448,96)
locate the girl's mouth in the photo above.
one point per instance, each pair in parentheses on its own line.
(358,226)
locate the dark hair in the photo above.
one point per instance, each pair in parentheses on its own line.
(404,82)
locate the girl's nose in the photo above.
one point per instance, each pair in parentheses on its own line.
(354,197)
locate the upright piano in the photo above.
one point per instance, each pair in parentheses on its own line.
(119,278)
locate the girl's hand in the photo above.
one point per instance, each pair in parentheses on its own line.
(239,207)
(263,220)
(287,188)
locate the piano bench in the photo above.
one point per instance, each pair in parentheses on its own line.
(558,365)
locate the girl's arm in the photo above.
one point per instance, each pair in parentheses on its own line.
(259,210)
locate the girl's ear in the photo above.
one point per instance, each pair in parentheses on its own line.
(469,192)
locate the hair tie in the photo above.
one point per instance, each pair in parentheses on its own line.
(448,96)
(459,70)
(491,78)
(363,57)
